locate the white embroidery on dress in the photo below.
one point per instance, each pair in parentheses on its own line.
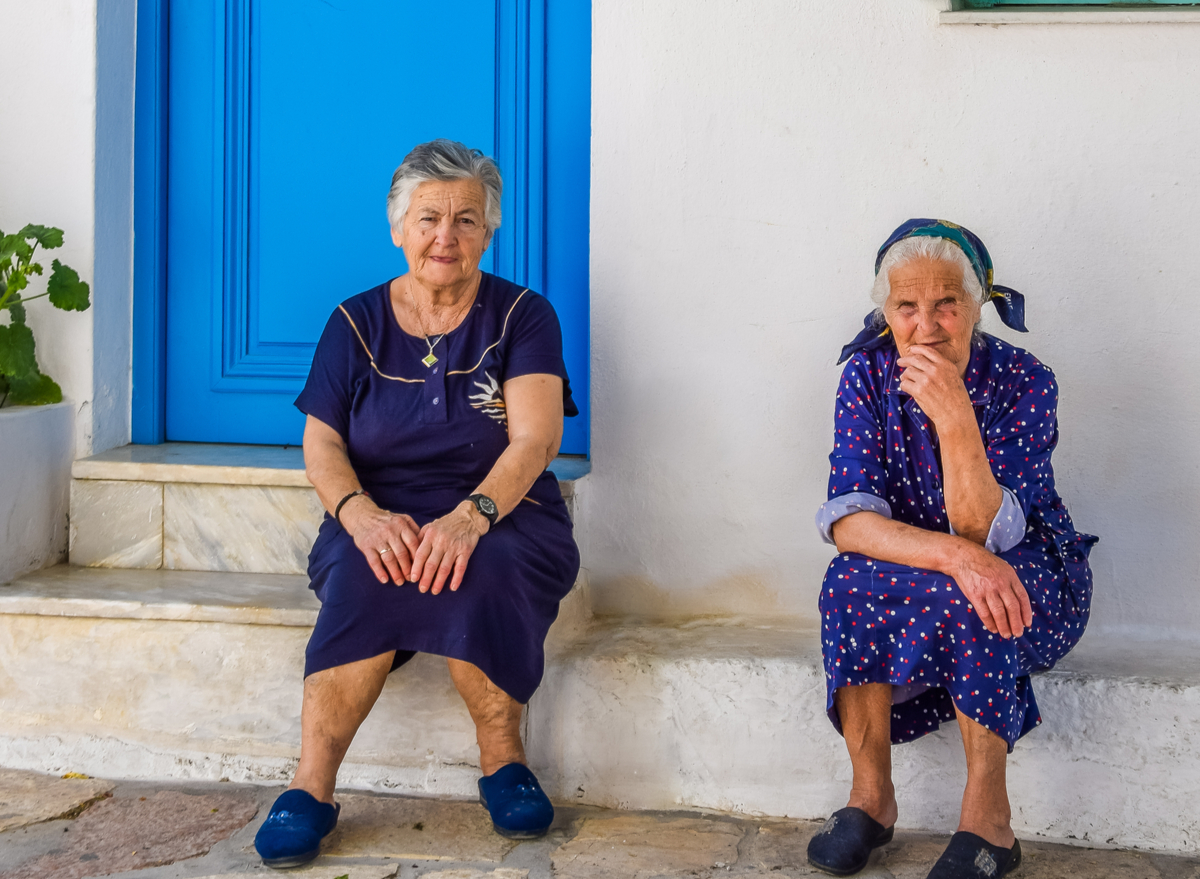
(491,401)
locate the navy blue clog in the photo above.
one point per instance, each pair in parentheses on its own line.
(516,802)
(294,828)
(843,846)
(972,857)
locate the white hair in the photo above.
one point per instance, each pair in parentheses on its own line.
(923,247)
(444,160)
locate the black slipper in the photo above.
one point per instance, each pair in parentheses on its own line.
(972,857)
(843,846)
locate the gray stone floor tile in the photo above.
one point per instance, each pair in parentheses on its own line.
(781,846)
(645,846)
(128,833)
(323,871)
(416,829)
(175,834)
(32,797)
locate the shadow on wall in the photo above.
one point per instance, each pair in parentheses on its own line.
(640,599)
(35,485)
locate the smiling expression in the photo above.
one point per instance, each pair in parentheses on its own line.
(444,233)
(928,306)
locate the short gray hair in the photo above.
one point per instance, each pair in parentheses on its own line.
(444,160)
(923,247)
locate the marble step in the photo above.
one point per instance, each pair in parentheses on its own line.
(198,674)
(171,674)
(206,507)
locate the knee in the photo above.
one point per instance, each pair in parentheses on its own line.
(847,573)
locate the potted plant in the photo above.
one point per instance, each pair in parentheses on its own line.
(21,381)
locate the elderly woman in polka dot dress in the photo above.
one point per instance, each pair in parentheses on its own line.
(959,571)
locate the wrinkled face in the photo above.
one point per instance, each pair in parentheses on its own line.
(928,306)
(444,233)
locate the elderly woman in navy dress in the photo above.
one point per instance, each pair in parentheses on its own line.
(435,403)
(959,571)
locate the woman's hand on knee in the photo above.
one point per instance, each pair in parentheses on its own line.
(445,547)
(994,590)
(387,540)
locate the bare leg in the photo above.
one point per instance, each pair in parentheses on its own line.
(985,808)
(497,717)
(866,715)
(336,702)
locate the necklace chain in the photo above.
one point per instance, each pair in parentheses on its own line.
(430,359)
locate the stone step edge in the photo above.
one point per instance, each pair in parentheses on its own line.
(286,600)
(183,596)
(221,464)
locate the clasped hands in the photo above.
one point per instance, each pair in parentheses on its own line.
(399,551)
(987,581)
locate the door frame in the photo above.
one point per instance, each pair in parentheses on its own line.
(520,138)
(149,410)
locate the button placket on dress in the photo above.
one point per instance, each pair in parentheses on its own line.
(433,392)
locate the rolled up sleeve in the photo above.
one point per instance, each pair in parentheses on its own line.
(1008,527)
(847,505)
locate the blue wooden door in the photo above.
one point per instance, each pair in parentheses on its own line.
(286,120)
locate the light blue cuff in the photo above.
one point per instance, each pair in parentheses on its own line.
(855,502)
(1008,528)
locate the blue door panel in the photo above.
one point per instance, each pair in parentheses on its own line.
(287,118)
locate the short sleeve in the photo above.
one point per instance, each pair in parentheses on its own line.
(329,389)
(535,345)
(857,460)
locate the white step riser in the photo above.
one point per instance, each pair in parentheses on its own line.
(257,529)
(618,723)
(181,526)
(1115,763)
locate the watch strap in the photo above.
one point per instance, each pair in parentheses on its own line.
(486,507)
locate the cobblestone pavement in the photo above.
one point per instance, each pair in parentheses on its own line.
(72,828)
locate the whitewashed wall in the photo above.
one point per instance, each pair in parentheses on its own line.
(66,160)
(749,158)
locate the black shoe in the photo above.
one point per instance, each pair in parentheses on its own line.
(843,846)
(972,857)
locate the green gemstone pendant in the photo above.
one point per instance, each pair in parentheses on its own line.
(430,360)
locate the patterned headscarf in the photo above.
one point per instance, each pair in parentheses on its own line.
(1009,303)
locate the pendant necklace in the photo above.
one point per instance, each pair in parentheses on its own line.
(430,359)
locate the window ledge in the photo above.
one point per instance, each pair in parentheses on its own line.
(1064,15)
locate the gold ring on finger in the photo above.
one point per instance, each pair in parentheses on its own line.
(385,549)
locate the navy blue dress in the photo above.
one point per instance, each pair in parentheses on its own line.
(884,622)
(420,440)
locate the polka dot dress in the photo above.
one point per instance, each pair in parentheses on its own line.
(884,622)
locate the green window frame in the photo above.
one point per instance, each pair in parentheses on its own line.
(992,4)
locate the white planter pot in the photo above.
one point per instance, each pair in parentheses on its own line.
(37,445)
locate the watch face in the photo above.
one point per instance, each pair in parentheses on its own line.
(486,506)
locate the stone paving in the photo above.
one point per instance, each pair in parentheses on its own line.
(73,828)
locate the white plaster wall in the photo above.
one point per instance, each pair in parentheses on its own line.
(749,158)
(35,474)
(66,160)
(47,170)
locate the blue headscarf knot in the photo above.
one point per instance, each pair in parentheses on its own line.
(1010,304)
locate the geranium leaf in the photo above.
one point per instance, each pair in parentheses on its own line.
(17,352)
(11,244)
(46,236)
(36,390)
(16,313)
(66,290)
